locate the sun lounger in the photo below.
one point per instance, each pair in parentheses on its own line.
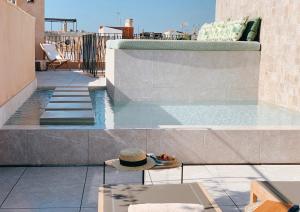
(56,59)
(281,191)
(119,198)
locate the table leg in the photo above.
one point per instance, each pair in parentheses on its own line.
(143,175)
(104,165)
(182,173)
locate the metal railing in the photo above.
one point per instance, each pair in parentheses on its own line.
(73,47)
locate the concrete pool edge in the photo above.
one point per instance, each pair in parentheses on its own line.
(227,145)
(12,105)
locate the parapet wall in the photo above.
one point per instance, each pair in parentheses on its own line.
(37,10)
(280,41)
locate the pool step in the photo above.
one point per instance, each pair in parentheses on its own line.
(69,106)
(70,94)
(71,89)
(74,117)
(67,99)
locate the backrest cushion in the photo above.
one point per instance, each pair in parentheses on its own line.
(223,31)
(51,51)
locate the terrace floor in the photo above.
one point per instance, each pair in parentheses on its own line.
(68,78)
(68,189)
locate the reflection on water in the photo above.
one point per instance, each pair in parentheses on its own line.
(145,115)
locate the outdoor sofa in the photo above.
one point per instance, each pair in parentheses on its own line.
(216,67)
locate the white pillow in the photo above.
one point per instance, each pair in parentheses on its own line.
(166,207)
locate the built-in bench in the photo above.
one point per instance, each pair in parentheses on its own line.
(182,71)
(184,45)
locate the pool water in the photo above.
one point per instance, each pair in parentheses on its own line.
(145,115)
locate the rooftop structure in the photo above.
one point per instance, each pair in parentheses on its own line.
(64,23)
(224,107)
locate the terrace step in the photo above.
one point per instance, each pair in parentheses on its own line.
(72,89)
(72,117)
(70,99)
(69,106)
(69,94)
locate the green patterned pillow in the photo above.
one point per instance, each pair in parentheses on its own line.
(223,31)
(210,32)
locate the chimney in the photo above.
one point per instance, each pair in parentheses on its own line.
(129,22)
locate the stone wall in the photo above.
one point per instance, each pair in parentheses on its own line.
(196,145)
(37,10)
(171,76)
(280,39)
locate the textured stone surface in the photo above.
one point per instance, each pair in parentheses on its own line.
(72,89)
(12,105)
(13,147)
(107,144)
(67,94)
(68,117)
(48,188)
(59,147)
(69,106)
(234,146)
(182,76)
(280,36)
(186,145)
(281,147)
(198,146)
(70,99)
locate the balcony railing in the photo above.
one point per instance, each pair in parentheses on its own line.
(73,46)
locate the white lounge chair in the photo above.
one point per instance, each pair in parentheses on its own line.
(56,59)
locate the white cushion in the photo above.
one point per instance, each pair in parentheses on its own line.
(166,207)
(51,51)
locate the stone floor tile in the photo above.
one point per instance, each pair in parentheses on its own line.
(239,192)
(8,178)
(218,194)
(95,175)
(90,196)
(196,172)
(55,175)
(165,175)
(42,210)
(236,173)
(47,187)
(89,210)
(282,172)
(113,176)
(229,209)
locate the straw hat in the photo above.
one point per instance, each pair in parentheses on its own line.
(132,160)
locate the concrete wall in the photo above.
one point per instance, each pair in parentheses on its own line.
(37,10)
(199,146)
(182,76)
(280,39)
(17,52)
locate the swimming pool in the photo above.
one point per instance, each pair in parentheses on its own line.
(145,115)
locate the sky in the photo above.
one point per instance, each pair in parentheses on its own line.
(148,15)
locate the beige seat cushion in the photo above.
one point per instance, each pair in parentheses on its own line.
(170,207)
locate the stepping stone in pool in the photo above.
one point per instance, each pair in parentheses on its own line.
(69,106)
(86,99)
(75,117)
(72,89)
(65,94)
